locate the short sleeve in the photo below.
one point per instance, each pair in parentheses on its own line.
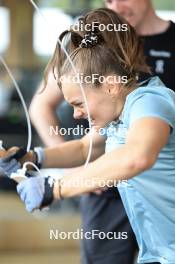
(152,106)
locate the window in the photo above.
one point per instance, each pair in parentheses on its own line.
(167,15)
(4,28)
(48,28)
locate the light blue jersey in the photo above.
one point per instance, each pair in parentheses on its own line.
(149,198)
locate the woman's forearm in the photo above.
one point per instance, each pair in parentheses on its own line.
(66,155)
(117,165)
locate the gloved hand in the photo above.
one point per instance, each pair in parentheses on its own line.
(36,192)
(10,163)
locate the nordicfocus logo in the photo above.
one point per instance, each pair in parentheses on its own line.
(96,26)
(94,79)
(79,234)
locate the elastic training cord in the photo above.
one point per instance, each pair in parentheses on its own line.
(81,87)
(31,164)
(23,104)
(24,168)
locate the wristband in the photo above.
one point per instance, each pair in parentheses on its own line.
(48,191)
(40,157)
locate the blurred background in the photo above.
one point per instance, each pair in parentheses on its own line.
(26,43)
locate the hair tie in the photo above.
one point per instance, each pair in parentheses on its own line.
(89,40)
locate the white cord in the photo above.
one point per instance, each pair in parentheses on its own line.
(31,164)
(81,87)
(23,104)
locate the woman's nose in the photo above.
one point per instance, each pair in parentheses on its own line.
(78,113)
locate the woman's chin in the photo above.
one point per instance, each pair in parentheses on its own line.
(98,125)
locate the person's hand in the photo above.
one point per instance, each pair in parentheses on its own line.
(9,160)
(21,155)
(36,192)
(3,153)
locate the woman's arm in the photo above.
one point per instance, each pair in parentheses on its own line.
(72,153)
(143,144)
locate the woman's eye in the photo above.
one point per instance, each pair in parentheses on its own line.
(79,105)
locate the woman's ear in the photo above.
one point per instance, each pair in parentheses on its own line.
(112,89)
(111,86)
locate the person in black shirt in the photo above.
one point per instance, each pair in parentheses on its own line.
(160,54)
(157,34)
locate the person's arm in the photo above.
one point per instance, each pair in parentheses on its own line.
(143,144)
(67,155)
(74,153)
(43,111)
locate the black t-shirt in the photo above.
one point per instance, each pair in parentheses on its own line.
(159,50)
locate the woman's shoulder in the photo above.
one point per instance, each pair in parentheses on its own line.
(153,88)
(153,99)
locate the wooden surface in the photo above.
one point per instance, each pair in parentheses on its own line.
(67,257)
(24,238)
